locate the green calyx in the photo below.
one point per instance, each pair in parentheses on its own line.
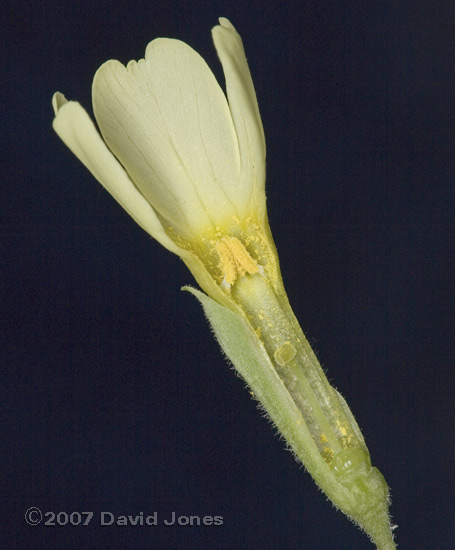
(268,349)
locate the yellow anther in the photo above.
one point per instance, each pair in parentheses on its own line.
(235,260)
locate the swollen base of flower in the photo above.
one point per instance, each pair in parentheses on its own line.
(286,377)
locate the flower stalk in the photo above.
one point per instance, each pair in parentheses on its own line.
(189,166)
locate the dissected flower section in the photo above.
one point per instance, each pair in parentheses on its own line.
(188,164)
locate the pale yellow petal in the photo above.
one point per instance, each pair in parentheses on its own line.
(167,121)
(244,107)
(74,127)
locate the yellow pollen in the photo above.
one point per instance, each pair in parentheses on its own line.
(235,260)
(341,428)
(327,453)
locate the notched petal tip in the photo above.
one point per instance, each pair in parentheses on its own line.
(225,36)
(166,43)
(112,66)
(157,44)
(58,100)
(224,22)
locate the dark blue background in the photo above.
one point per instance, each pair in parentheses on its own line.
(115,395)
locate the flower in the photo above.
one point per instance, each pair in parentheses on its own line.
(187,165)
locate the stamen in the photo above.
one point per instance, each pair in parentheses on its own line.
(235,260)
